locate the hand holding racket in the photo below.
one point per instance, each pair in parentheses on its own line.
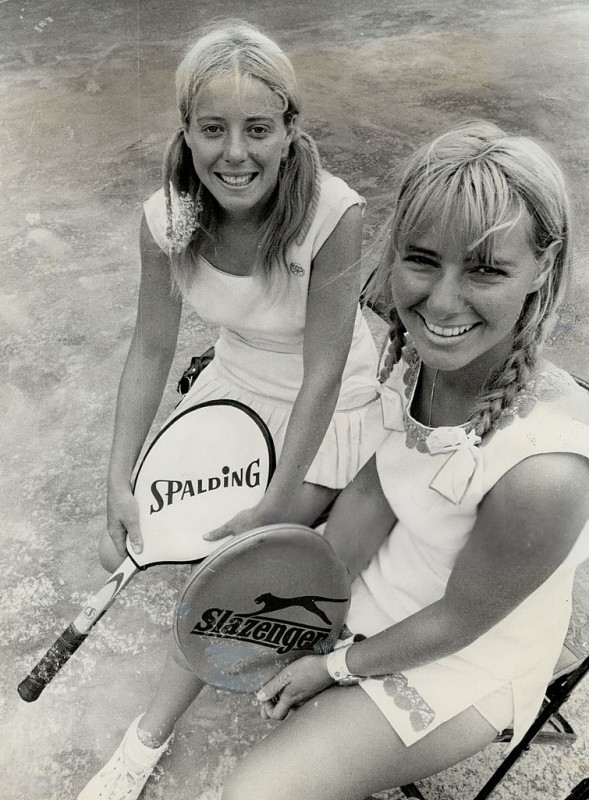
(204,466)
(293,686)
(122,520)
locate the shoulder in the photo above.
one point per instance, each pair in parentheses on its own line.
(335,193)
(556,409)
(335,198)
(541,503)
(551,414)
(549,477)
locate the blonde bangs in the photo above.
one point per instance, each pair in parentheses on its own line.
(476,193)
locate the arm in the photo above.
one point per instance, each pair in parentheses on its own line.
(142,384)
(334,289)
(361,520)
(526,527)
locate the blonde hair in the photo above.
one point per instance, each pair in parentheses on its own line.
(236,48)
(486,178)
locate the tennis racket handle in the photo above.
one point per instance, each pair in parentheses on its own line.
(53,660)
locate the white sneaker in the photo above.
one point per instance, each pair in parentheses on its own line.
(126,773)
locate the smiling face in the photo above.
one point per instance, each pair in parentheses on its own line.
(238,137)
(459,307)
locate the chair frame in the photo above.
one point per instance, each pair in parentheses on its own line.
(559,731)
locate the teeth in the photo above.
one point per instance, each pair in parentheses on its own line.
(237,180)
(459,329)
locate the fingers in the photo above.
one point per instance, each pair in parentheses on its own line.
(283,706)
(281,702)
(123,522)
(218,533)
(266,709)
(274,686)
(134,535)
(118,534)
(243,521)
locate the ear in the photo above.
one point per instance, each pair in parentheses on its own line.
(185,131)
(290,129)
(545,264)
(286,146)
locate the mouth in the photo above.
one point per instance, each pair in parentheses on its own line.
(236,180)
(449,332)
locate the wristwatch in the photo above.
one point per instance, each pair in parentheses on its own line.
(338,669)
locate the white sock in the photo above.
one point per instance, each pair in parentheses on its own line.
(139,754)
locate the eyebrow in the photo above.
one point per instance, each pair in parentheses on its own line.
(502,262)
(423,250)
(497,262)
(213,118)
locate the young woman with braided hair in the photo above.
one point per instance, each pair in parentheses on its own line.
(465,529)
(261,241)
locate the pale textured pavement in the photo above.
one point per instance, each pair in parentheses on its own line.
(86,105)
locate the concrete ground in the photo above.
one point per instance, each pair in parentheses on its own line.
(87,104)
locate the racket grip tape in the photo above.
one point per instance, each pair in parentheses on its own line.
(60,651)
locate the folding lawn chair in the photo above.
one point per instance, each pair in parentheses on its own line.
(549,727)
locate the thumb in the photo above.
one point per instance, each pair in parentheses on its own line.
(134,534)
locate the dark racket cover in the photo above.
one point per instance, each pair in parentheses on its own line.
(265,598)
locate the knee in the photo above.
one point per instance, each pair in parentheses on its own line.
(108,555)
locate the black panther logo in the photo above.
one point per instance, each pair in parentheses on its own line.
(309,602)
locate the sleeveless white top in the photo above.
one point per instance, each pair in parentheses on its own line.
(434,480)
(259,353)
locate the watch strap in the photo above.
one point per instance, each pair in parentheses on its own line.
(338,668)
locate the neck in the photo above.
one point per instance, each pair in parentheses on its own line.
(448,397)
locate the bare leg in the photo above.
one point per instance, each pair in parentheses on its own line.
(340,747)
(313,500)
(178,685)
(177,689)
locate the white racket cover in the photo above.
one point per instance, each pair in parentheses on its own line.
(208,463)
(266,598)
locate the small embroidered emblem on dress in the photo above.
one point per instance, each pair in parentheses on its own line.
(295,268)
(421,715)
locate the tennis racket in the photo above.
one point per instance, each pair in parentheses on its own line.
(205,465)
(263,599)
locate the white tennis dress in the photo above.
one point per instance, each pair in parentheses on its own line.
(259,353)
(434,480)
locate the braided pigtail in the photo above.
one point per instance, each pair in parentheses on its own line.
(392,347)
(504,385)
(503,388)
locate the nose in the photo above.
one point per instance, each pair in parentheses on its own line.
(446,295)
(235,148)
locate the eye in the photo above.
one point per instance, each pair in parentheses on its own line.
(420,259)
(258,130)
(212,129)
(488,271)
